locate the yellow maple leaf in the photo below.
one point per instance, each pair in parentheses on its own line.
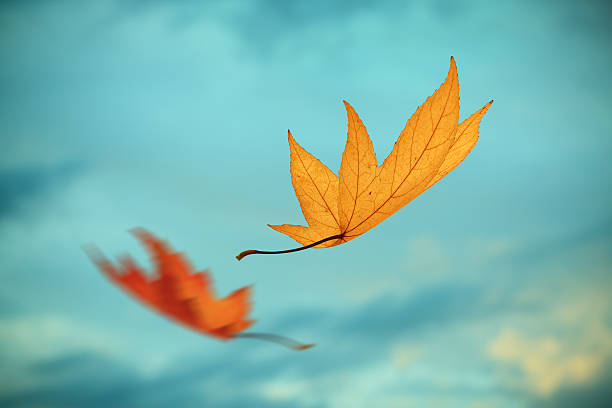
(340,208)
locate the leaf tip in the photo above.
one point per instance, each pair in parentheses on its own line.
(349,108)
(93,252)
(453,65)
(139,232)
(487,106)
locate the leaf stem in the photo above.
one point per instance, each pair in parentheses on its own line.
(286,251)
(275,338)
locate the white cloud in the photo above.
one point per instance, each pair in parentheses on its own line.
(25,341)
(548,362)
(48,335)
(483,250)
(404,355)
(282,390)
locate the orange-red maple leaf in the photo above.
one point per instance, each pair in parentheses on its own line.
(341,208)
(182,295)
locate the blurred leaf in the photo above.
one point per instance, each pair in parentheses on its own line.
(183,296)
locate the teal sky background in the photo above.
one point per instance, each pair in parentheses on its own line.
(489,290)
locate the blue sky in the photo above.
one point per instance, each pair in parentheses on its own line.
(489,290)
